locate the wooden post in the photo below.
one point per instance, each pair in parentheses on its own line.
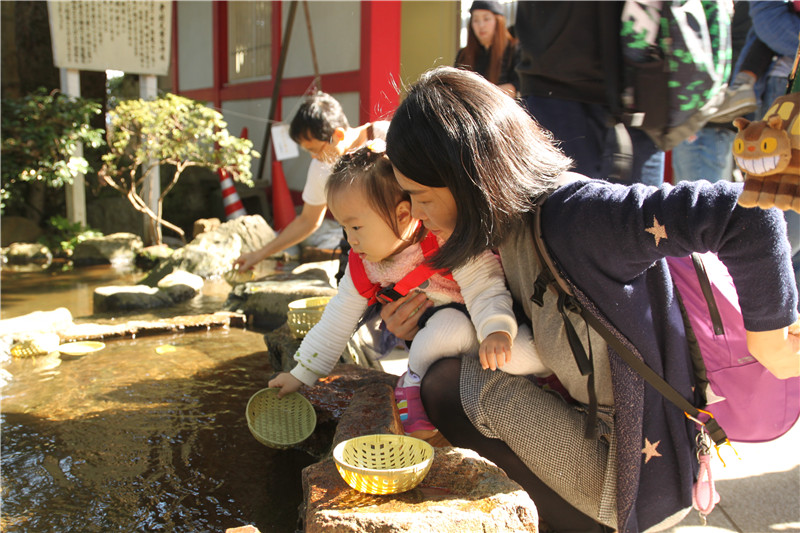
(151,190)
(76,193)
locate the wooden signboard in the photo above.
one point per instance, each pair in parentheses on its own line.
(101,35)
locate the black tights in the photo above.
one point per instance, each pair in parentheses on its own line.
(442,400)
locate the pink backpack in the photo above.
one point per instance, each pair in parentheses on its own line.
(749,402)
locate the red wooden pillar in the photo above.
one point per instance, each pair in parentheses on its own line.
(380,59)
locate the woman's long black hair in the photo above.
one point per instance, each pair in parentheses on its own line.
(457,130)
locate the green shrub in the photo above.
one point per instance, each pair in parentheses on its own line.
(62,235)
(40,132)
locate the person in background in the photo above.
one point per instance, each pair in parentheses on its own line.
(707,154)
(570,73)
(321,128)
(491,50)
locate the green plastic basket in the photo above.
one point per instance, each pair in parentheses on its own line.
(280,422)
(305,313)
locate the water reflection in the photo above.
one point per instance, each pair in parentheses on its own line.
(138,438)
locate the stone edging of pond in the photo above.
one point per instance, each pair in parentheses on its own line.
(462,491)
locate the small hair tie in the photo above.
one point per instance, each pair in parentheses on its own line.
(376,146)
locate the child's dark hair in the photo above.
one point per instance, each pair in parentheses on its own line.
(318,117)
(370,170)
(457,130)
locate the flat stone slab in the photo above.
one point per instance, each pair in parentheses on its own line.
(128,298)
(266,302)
(462,492)
(133,328)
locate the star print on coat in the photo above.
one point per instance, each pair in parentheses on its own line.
(659,232)
(650,450)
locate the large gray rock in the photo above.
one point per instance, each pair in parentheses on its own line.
(461,492)
(23,253)
(150,256)
(253,231)
(180,285)
(211,253)
(128,298)
(202,225)
(117,248)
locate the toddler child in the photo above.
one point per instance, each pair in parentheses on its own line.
(388,257)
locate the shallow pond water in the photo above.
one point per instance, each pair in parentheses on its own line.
(147,434)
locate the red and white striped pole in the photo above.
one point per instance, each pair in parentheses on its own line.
(230,198)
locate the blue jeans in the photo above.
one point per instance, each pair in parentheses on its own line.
(706,156)
(586,134)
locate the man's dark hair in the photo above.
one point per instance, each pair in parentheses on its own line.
(319,115)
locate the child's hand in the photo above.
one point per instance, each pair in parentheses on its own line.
(495,350)
(286,382)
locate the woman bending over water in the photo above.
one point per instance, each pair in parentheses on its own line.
(473,162)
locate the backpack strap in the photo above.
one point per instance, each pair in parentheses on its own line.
(550,277)
(364,286)
(708,294)
(373,292)
(416,277)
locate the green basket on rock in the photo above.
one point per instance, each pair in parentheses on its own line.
(305,313)
(280,422)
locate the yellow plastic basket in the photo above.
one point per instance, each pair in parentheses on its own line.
(304,314)
(383,464)
(280,422)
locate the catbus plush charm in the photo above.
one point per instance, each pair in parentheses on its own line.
(768,152)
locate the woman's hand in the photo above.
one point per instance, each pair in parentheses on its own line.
(286,382)
(401,316)
(778,350)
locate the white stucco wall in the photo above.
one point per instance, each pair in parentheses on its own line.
(250,114)
(195,56)
(336,27)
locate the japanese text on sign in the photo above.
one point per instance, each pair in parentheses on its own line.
(102,35)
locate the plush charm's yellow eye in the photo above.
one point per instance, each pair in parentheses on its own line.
(738,146)
(769,145)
